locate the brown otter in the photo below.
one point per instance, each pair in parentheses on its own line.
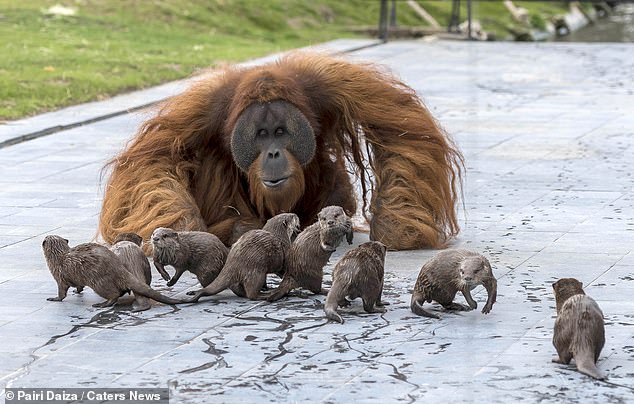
(95,266)
(127,247)
(310,251)
(255,254)
(447,273)
(200,253)
(579,330)
(359,273)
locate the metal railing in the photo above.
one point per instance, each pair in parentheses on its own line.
(388,19)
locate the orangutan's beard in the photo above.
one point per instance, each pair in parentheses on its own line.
(270,201)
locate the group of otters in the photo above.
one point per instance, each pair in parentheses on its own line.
(123,267)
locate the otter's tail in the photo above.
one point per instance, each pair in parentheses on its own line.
(587,343)
(332,302)
(417,307)
(142,289)
(282,290)
(585,364)
(222,282)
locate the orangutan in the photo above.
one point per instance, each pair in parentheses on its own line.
(247,143)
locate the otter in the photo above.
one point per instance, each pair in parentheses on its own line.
(447,273)
(95,266)
(359,273)
(255,254)
(200,253)
(127,246)
(579,330)
(311,250)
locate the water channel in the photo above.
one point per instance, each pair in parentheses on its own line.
(617,27)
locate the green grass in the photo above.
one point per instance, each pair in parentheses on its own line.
(108,47)
(113,46)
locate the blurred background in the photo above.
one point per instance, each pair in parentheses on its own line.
(59,53)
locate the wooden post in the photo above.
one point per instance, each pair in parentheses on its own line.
(422,13)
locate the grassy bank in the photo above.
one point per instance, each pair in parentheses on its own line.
(93,49)
(49,60)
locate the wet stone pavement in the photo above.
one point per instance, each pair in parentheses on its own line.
(547,131)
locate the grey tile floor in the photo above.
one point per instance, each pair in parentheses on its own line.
(547,131)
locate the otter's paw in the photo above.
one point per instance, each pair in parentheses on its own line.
(344,303)
(335,317)
(457,307)
(136,307)
(107,303)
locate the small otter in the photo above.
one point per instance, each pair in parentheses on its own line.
(359,273)
(311,251)
(127,247)
(95,266)
(579,330)
(198,252)
(447,273)
(255,254)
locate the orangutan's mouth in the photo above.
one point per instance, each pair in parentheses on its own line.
(274,183)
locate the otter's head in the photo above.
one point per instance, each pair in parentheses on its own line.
(132,237)
(333,224)
(376,249)
(165,243)
(474,270)
(564,288)
(55,244)
(331,216)
(283,225)
(54,248)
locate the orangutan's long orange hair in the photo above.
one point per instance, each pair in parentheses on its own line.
(178,171)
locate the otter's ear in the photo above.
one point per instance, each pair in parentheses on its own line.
(293,222)
(66,241)
(555,284)
(383,247)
